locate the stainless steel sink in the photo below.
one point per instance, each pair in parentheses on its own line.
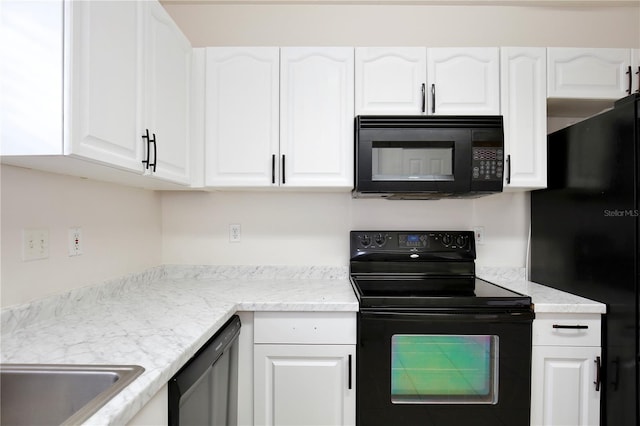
(51,394)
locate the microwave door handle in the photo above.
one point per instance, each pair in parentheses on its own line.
(433,99)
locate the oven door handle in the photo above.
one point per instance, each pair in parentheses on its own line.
(449,316)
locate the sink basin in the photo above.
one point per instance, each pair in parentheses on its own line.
(51,394)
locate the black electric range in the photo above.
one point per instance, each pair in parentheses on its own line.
(436,345)
(423,270)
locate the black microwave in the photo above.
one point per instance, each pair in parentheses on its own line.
(428,157)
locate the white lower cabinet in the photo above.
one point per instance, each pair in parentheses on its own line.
(155,411)
(304,368)
(565,370)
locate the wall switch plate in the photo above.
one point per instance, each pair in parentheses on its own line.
(75,241)
(478,233)
(35,244)
(234,233)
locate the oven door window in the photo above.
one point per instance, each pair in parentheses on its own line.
(444,369)
(412,161)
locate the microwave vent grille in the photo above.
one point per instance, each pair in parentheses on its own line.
(428,121)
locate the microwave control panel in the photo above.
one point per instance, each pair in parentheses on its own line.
(487,163)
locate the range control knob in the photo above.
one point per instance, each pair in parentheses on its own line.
(461,241)
(380,239)
(446,239)
(365,240)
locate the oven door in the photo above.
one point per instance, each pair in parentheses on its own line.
(443,369)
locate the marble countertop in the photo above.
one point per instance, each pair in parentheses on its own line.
(545,299)
(159,321)
(160,318)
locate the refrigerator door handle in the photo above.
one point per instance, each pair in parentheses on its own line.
(616,373)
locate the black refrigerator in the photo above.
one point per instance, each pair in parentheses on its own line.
(585,239)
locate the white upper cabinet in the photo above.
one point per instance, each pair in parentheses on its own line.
(166,109)
(316,116)
(279,117)
(463,81)
(390,80)
(417,80)
(242,101)
(587,73)
(106,82)
(524,109)
(97,75)
(31,74)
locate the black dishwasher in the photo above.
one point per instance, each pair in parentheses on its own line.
(204,392)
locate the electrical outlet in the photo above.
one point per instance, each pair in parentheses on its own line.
(35,244)
(478,233)
(75,241)
(234,233)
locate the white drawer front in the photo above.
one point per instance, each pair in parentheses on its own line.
(566,330)
(305,327)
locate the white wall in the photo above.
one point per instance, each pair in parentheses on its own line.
(121,230)
(312,228)
(490,23)
(284,228)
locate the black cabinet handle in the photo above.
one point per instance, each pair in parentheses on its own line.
(424,98)
(630,79)
(146,161)
(598,366)
(638,74)
(508,169)
(155,153)
(350,370)
(433,99)
(273,168)
(572,327)
(283,171)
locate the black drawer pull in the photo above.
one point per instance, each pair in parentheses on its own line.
(572,327)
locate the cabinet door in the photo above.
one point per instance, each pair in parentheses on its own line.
(463,81)
(242,140)
(316,117)
(584,73)
(106,82)
(524,108)
(562,387)
(390,80)
(300,385)
(31,76)
(635,70)
(167,79)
